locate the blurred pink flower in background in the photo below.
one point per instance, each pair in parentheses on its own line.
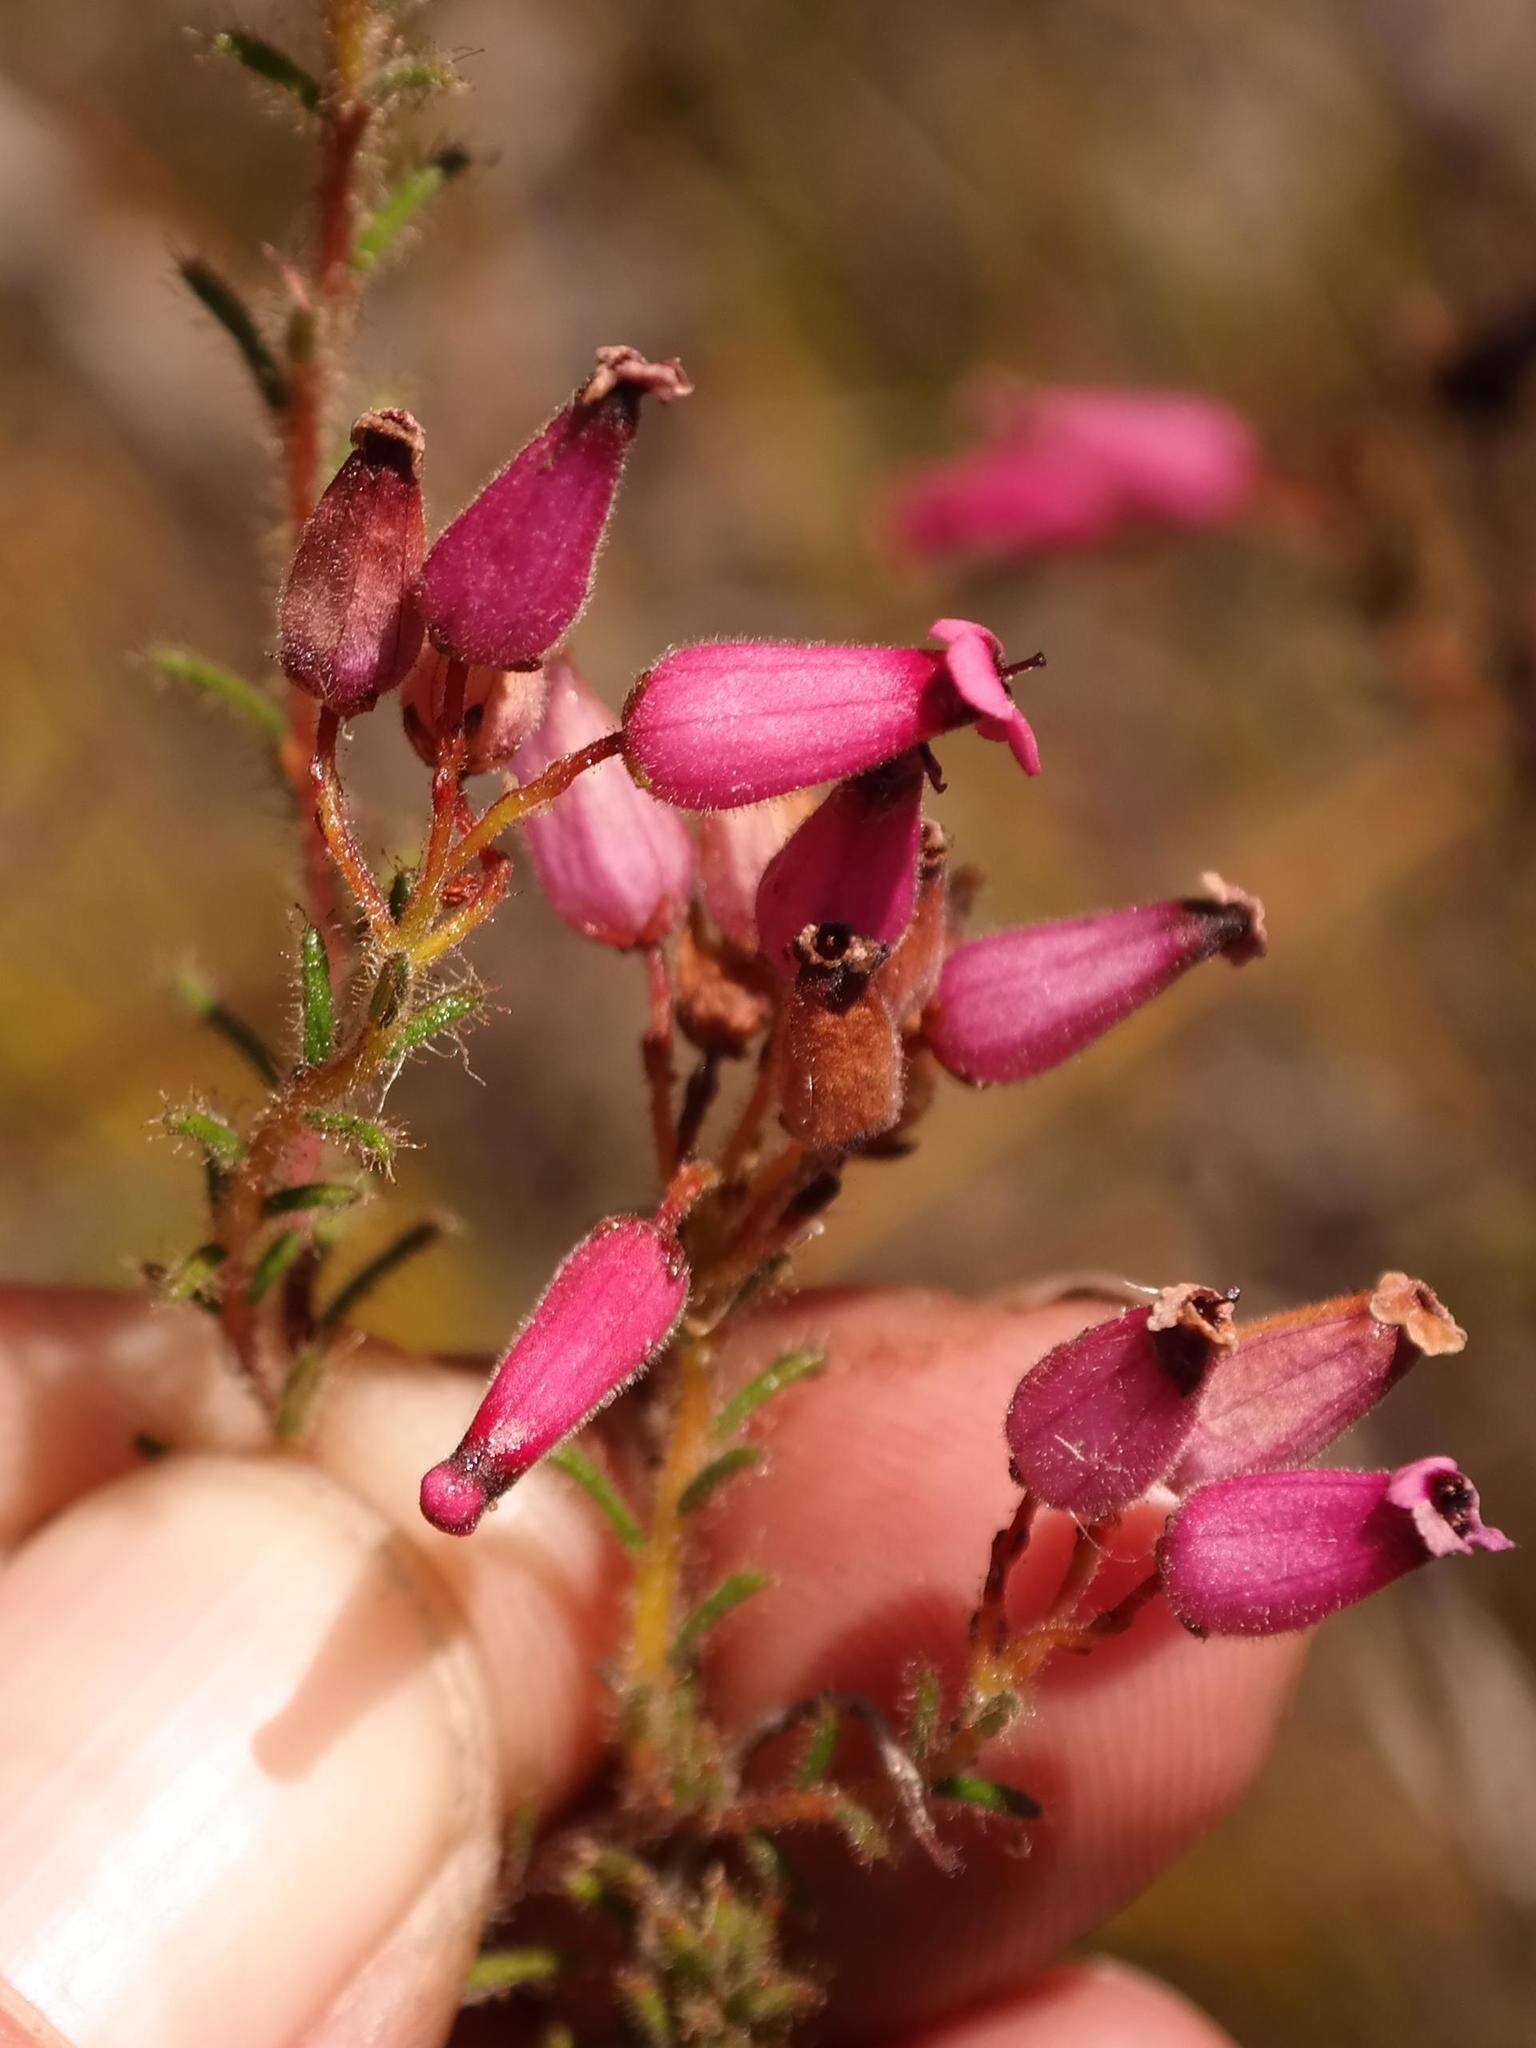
(1075,467)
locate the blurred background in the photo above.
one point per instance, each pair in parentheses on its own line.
(838,215)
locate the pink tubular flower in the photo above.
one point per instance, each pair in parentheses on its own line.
(1105,1415)
(501,707)
(349,627)
(734,849)
(507,579)
(1019,1002)
(853,862)
(728,722)
(1295,1382)
(614,863)
(606,1314)
(1276,1551)
(1074,468)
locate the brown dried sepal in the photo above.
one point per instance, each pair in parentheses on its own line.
(910,978)
(836,1055)
(1416,1310)
(624,369)
(1244,934)
(718,1009)
(1188,1323)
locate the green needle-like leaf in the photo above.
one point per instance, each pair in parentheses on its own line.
(315,992)
(218,1141)
(223,686)
(706,1483)
(600,1489)
(375,1143)
(987,1793)
(497,1970)
(379,235)
(218,297)
(410,78)
(207,1008)
(270,64)
(273,1264)
(419,1238)
(436,1016)
(773,1379)
(194,1269)
(821,1748)
(728,1595)
(314,1194)
(299,1390)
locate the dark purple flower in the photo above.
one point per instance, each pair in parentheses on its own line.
(1106,1414)
(348,625)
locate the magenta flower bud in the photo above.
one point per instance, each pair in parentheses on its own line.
(614,863)
(606,1314)
(1294,1382)
(500,708)
(348,622)
(734,849)
(853,862)
(507,579)
(1105,1415)
(1271,1552)
(1074,468)
(730,722)
(1014,1004)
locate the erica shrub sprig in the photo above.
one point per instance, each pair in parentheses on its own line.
(760,827)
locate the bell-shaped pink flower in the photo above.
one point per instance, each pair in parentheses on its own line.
(732,722)
(734,849)
(606,1314)
(1295,1382)
(1019,1002)
(499,710)
(853,862)
(1069,468)
(349,628)
(507,579)
(614,863)
(1105,1415)
(1271,1552)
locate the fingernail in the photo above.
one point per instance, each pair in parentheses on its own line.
(242,1733)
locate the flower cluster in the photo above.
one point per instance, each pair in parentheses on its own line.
(1175,1394)
(828,936)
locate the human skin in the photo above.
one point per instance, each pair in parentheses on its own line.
(260,1726)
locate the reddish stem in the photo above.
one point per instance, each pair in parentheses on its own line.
(656,1057)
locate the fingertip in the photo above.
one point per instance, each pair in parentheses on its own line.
(1098,2004)
(93,1384)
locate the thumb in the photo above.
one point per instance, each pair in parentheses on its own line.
(256,1741)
